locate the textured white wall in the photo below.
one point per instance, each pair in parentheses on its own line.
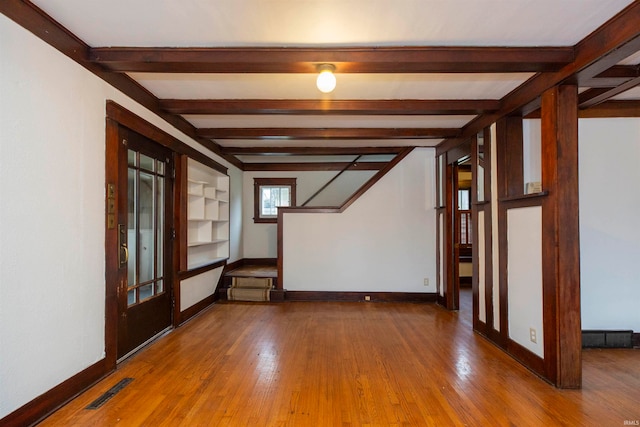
(609,233)
(52,145)
(524,269)
(385,241)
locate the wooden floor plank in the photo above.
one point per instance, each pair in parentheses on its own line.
(348,364)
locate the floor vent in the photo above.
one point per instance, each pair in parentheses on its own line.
(607,339)
(109,393)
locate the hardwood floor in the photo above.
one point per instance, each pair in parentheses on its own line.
(348,364)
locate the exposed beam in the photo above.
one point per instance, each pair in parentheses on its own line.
(310,151)
(612,109)
(614,76)
(610,93)
(330,107)
(592,93)
(611,43)
(313,166)
(346,60)
(327,133)
(607,109)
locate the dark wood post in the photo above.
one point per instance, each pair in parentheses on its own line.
(561,236)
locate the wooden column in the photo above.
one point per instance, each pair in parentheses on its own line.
(561,237)
(510,177)
(509,154)
(448,233)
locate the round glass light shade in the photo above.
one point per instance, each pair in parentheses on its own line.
(326,81)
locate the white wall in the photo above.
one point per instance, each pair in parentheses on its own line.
(524,269)
(261,240)
(609,230)
(385,241)
(236,226)
(195,289)
(532,150)
(52,156)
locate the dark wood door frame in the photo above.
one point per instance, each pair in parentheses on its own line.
(116,211)
(450,278)
(116,271)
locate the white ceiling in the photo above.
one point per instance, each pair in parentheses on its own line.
(233,23)
(349,86)
(333,23)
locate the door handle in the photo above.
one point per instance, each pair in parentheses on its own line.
(122,245)
(124,254)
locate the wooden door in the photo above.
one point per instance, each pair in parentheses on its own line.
(144,231)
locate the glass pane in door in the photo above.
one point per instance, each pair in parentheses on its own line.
(146,231)
(132,222)
(146,197)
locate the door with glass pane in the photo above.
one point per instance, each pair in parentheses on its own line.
(145,302)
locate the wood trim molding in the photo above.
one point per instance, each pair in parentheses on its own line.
(525,198)
(527,358)
(45,404)
(265,182)
(429,297)
(377,177)
(112,265)
(141,126)
(198,307)
(260,261)
(203,269)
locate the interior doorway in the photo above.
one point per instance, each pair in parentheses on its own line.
(454,225)
(142,220)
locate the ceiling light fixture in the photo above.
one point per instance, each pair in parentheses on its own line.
(326,80)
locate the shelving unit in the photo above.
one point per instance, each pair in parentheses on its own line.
(207,215)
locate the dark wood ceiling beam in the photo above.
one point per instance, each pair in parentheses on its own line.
(346,60)
(611,43)
(592,93)
(608,94)
(622,108)
(333,107)
(614,76)
(327,133)
(314,166)
(310,151)
(607,109)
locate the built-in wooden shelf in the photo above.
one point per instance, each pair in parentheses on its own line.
(207,215)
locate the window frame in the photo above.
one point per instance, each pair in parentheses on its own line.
(258,183)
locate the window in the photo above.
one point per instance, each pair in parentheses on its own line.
(271,193)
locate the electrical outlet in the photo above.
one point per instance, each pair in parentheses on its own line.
(533,335)
(426,281)
(367,298)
